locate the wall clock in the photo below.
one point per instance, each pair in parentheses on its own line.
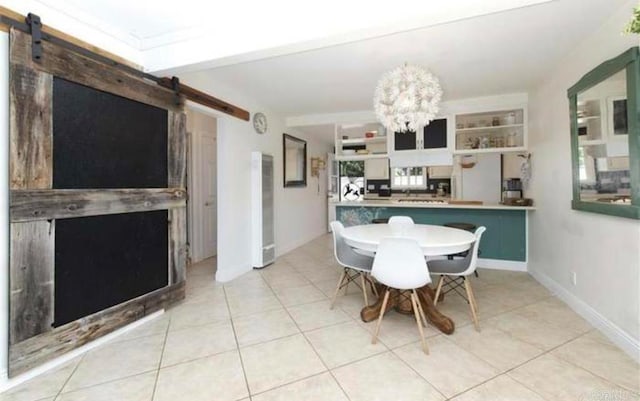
(260,123)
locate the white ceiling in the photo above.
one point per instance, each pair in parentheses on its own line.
(500,53)
(170,34)
(300,57)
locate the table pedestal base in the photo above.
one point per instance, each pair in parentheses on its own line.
(401,302)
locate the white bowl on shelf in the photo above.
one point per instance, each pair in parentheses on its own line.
(348,152)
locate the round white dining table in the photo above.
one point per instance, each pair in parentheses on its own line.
(433,240)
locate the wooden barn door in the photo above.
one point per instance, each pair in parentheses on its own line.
(108,199)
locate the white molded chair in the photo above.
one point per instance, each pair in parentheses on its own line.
(399,224)
(400,264)
(455,273)
(355,264)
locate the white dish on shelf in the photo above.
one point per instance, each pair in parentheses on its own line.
(348,152)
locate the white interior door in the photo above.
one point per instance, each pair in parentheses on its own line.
(208,184)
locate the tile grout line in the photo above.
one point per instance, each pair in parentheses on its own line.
(314,351)
(69,378)
(544,353)
(416,372)
(506,372)
(584,368)
(235,336)
(106,382)
(164,345)
(393,350)
(199,289)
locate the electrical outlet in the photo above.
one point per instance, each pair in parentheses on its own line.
(574,278)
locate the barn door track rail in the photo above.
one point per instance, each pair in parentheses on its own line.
(32,25)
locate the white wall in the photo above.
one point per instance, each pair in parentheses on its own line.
(300,213)
(603,251)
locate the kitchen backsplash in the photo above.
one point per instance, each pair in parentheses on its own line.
(610,181)
(373,186)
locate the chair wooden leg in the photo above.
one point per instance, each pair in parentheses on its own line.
(438,290)
(422,315)
(472,304)
(335,294)
(382,310)
(364,289)
(473,296)
(416,312)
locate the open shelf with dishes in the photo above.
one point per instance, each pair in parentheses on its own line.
(360,141)
(491,131)
(590,130)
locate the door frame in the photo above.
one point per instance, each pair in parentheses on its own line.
(194,178)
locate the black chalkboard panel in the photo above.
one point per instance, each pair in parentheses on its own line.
(102,140)
(435,134)
(103,261)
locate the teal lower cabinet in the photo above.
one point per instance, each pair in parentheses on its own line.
(505,238)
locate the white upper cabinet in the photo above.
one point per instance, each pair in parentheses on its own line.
(434,136)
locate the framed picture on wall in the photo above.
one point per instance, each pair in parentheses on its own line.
(618,118)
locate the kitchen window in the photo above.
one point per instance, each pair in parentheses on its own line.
(409,177)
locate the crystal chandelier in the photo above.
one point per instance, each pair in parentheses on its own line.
(407,98)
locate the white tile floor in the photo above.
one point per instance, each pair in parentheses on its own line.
(269,335)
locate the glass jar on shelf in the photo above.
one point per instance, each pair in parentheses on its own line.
(511,140)
(468,143)
(510,119)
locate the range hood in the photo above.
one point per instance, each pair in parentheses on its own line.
(435,157)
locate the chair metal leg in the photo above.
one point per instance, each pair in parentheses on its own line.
(364,289)
(382,310)
(438,290)
(472,304)
(346,285)
(416,312)
(335,295)
(373,285)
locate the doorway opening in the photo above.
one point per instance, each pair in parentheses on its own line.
(202,186)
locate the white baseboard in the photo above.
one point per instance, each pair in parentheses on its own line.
(619,337)
(226,275)
(6,383)
(498,264)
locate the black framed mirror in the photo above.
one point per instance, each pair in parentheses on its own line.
(294,157)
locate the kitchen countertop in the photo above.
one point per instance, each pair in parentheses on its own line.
(396,203)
